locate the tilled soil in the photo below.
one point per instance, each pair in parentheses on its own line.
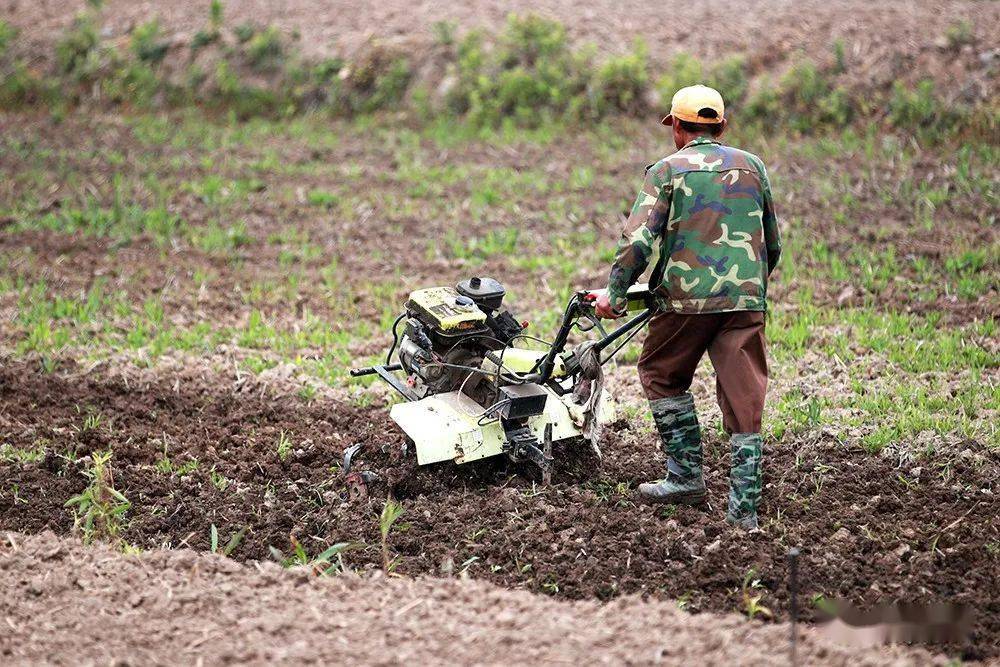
(871,527)
(66,604)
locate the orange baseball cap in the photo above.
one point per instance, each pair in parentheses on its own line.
(696,104)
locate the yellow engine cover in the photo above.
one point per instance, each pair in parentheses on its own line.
(441,305)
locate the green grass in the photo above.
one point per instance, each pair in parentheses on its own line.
(300,296)
(120,221)
(11,454)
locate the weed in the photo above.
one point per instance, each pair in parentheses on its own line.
(531,76)
(147,45)
(619,84)
(214,238)
(75,49)
(219,481)
(99,510)
(92,421)
(823,604)
(682,71)
(920,107)
(167,467)
(466,564)
(391,511)
(322,198)
(751,605)
(234,540)
(839,57)
(7,35)
(16,497)
(322,564)
(959,34)
(265,50)
(308,392)
(11,454)
(444,32)
(668,512)
(284,446)
(244,32)
(212,33)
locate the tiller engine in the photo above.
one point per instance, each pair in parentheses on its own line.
(474,386)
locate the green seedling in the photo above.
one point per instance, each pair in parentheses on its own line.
(92,421)
(284,446)
(166,466)
(15,492)
(751,602)
(219,481)
(391,512)
(322,564)
(9,453)
(466,564)
(98,511)
(471,538)
(234,540)
(308,392)
(49,364)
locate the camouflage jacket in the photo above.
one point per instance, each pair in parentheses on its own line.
(705,221)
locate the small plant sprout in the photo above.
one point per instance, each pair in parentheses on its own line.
(308,392)
(751,602)
(234,540)
(219,481)
(284,446)
(49,364)
(466,564)
(15,492)
(92,421)
(391,511)
(322,564)
(9,453)
(98,511)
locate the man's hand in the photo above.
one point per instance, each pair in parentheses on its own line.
(603,308)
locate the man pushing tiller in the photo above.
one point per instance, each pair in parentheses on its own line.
(705,219)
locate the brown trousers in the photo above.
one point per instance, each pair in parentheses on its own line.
(676,343)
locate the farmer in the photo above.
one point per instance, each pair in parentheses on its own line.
(705,220)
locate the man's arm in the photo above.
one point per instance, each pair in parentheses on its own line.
(772,237)
(644,226)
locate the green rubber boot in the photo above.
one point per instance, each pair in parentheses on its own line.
(744,480)
(680,435)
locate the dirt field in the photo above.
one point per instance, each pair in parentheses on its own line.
(187,293)
(60,597)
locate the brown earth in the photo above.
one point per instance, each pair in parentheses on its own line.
(904,525)
(870,527)
(68,604)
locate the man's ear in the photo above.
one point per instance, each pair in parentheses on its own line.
(725,124)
